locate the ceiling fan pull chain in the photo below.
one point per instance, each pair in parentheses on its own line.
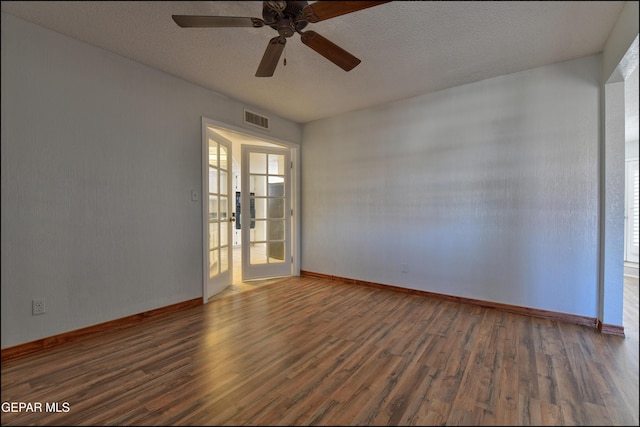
(284,62)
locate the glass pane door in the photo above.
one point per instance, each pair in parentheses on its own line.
(217,215)
(266,225)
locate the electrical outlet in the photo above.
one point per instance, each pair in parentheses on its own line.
(405,268)
(37,306)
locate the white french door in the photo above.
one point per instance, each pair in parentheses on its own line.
(217,218)
(266,221)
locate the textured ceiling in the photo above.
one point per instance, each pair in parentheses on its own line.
(406,48)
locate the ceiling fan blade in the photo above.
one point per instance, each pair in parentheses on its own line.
(323,10)
(198,21)
(330,50)
(271,57)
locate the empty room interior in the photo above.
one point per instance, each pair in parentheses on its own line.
(320,213)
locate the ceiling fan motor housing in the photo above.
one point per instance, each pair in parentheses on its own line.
(288,19)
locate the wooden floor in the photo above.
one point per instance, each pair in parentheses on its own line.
(308,351)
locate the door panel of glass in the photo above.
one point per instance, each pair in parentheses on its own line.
(217,187)
(266,246)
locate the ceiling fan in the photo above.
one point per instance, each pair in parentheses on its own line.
(288,18)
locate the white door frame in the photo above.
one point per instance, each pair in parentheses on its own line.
(294,155)
(631,172)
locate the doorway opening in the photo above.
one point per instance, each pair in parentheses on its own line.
(631,226)
(612,222)
(631,221)
(261,218)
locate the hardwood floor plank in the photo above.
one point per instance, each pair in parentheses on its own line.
(363,391)
(407,407)
(410,376)
(551,414)
(507,409)
(528,374)
(530,413)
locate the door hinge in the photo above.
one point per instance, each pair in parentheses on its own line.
(291,164)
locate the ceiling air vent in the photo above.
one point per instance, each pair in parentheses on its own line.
(256,119)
